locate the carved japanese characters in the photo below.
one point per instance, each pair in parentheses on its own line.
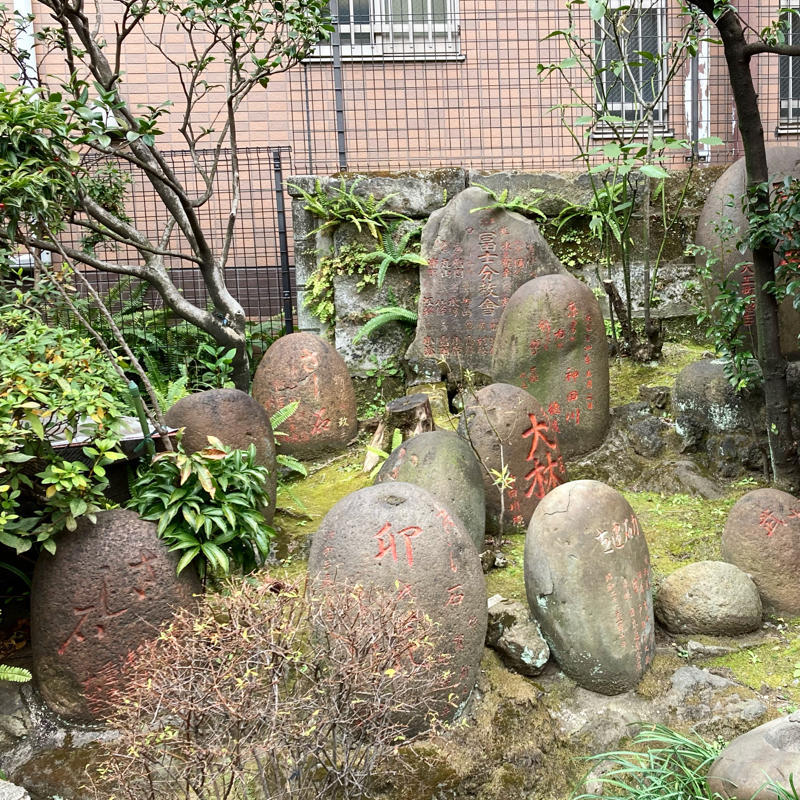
(513,436)
(399,538)
(107,589)
(587,578)
(475,263)
(305,368)
(551,341)
(236,419)
(762,538)
(445,465)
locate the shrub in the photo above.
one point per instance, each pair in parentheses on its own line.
(265,693)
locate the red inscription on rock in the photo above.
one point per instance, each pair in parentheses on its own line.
(387,543)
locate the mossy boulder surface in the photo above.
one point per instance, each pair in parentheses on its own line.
(444,464)
(236,419)
(762,537)
(587,579)
(305,368)
(509,430)
(108,588)
(551,342)
(400,538)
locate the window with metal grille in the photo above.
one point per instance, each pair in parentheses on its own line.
(789,71)
(402,29)
(625,87)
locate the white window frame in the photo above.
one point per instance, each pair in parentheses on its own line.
(626,108)
(789,108)
(425,39)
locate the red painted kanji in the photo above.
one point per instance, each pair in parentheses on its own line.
(387,543)
(770,522)
(544,477)
(536,433)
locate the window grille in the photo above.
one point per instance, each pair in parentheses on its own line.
(789,72)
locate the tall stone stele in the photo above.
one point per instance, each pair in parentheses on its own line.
(305,368)
(399,538)
(551,341)
(107,589)
(587,578)
(477,257)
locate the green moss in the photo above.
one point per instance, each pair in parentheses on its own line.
(628,375)
(775,664)
(509,581)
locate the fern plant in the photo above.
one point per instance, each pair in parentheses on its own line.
(383,316)
(394,254)
(14,674)
(344,205)
(275,421)
(517,203)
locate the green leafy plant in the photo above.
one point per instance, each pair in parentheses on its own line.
(668,765)
(343,204)
(518,203)
(14,674)
(383,316)
(275,421)
(394,254)
(53,385)
(207,505)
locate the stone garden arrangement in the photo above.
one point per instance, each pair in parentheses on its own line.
(509,529)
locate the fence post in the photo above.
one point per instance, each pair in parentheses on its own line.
(338,87)
(280,211)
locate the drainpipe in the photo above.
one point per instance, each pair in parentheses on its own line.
(27,44)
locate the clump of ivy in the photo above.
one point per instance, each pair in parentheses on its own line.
(348,260)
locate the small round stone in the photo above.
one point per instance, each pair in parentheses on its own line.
(709,597)
(444,464)
(108,588)
(305,368)
(236,419)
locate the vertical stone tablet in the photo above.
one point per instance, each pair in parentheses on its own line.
(108,588)
(508,429)
(475,263)
(587,578)
(762,538)
(551,341)
(303,367)
(236,419)
(399,538)
(445,465)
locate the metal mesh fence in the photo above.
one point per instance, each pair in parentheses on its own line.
(401,97)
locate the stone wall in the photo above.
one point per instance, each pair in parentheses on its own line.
(418,194)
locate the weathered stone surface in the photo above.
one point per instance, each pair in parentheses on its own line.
(768,752)
(10,791)
(305,368)
(725,201)
(507,428)
(400,538)
(587,578)
(107,589)
(711,597)
(551,341)
(444,464)
(415,194)
(476,262)
(353,309)
(762,537)
(516,636)
(705,402)
(236,419)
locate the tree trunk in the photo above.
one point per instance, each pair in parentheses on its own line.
(782,447)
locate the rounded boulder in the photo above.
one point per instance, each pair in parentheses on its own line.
(709,597)
(444,464)
(509,430)
(587,579)
(762,538)
(770,752)
(236,419)
(107,589)
(551,341)
(401,539)
(303,367)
